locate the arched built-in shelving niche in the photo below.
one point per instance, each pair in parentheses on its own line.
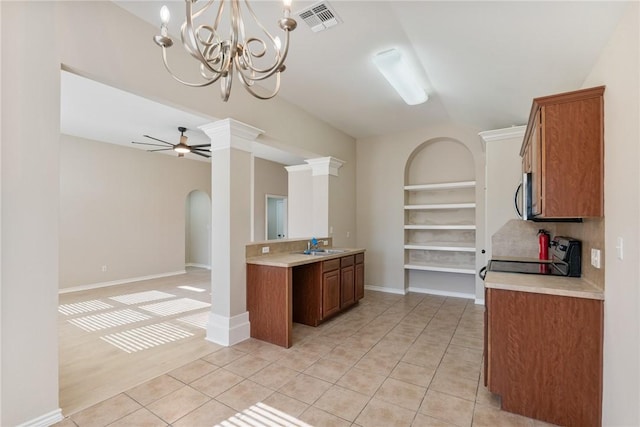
(440,219)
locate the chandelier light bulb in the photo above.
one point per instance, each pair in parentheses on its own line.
(165,15)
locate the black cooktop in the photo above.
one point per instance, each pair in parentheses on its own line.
(528,267)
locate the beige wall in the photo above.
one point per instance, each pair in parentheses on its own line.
(198,229)
(619,69)
(122,208)
(380,198)
(99,40)
(270,178)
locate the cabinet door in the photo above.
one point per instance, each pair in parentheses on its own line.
(347,290)
(359,285)
(330,293)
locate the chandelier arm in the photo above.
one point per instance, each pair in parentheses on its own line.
(249,88)
(268,72)
(225,84)
(166,65)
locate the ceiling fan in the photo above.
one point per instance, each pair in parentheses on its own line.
(181,148)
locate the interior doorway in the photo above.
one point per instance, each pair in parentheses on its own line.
(198,230)
(276,217)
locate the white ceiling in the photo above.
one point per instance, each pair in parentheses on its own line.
(482,64)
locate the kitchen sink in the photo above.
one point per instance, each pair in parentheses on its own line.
(321,252)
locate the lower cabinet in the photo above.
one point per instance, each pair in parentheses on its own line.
(347,281)
(543,355)
(330,289)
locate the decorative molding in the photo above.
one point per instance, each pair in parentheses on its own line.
(230,133)
(325,166)
(505,133)
(386,290)
(228,331)
(298,168)
(442,293)
(45,420)
(119,282)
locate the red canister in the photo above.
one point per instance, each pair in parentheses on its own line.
(543,249)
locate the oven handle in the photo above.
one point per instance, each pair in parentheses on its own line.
(483,272)
(515,200)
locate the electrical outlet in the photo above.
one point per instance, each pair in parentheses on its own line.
(325,242)
(265,250)
(348,234)
(104,268)
(619,248)
(595,257)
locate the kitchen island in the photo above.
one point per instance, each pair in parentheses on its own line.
(291,286)
(543,346)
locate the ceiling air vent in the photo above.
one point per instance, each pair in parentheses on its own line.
(319,17)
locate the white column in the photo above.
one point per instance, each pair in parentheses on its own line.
(310,195)
(232,170)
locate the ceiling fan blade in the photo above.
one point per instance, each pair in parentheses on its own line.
(161,149)
(159,140)
(200,154)
(145,143)
(204,150)
(200,145)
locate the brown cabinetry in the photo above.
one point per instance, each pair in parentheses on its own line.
(330,287)
(347,281)
(563,150)
(544,355)
(359,277)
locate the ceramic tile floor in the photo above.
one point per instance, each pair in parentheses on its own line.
(392,360)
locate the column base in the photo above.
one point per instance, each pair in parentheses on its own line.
(228,331)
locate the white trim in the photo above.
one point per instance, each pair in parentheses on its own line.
(480,301)
(442,293)
(440,186)
(298,168)
(442,206)
(119,282)
(386,290)
(195,264)
(504,133)
(230,133)
(45,420)
(228,331)
(325,166)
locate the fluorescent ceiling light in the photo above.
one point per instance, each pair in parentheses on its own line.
(403,79)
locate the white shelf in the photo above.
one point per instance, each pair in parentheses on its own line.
(440,186)
(442,206)
(440,227)
(442,246)
(441,268)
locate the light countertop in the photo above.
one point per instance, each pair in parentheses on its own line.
(295,259)
(541,284)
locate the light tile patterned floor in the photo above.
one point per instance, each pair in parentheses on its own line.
(411,360)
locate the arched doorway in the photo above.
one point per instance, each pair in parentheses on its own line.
(198,230)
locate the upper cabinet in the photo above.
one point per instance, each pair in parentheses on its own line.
(563,152)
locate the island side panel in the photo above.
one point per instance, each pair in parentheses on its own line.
(269,303)
(307,297)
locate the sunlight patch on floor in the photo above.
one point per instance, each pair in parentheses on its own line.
(139,297)
(145,337)
(262,415)
(168,308)
(96,322)
(83,307)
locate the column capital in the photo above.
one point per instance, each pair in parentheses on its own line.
(325,166)
(230,133)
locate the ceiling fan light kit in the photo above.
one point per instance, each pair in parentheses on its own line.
(400,76)
(181,147)
(220,58)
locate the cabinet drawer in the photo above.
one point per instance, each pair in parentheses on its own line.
(332,264)
(359,258)
(346,261)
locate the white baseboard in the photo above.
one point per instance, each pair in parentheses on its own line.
(386,290)
(480,301)
(193,264)
(119,282)
(228,331)
(442,293)
(45,420)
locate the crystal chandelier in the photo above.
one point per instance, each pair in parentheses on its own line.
(219,57)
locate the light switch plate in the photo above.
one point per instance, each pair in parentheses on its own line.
(265,250)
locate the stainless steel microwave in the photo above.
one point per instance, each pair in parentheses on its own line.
(523,197)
